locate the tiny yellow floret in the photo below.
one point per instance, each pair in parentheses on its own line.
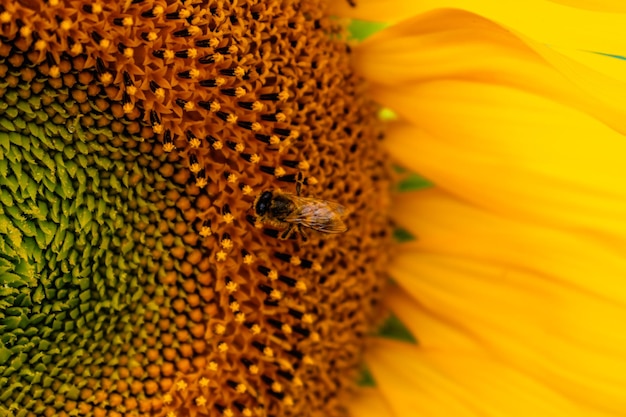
(231,287)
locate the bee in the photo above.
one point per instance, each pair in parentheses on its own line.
(291,212)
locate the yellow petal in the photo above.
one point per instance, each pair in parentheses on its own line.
(369,402)
(431,383)
(544,302)
(515,153)
(460,46)
(430,330)
(606,64)
(444,224)
(618,6)
(546,21)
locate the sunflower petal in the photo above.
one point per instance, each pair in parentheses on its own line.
(617,6)
(458,46)
(425,382)
(369,402)
(612,66)
(515,153)
(433,330)
(444,224)
(595,26)
(547,302)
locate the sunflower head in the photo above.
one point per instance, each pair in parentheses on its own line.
(135,275)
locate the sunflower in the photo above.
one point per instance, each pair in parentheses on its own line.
(141,275)
(513,283)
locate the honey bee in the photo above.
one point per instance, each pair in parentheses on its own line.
(290,211)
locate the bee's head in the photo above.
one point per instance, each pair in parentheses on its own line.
(263,203)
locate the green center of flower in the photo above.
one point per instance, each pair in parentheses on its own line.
(136,277)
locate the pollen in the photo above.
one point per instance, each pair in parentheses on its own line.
(195,143)
(66,25)
(158,129)
(214,106)
(26,31)
(55,72)
(144,280)
(194,73)
(231,287)
(41,45)
(106,78)
(283,95)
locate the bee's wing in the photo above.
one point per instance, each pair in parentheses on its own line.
(321,215)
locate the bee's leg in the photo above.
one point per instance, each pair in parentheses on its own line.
(303,234)
(287,233)
(299,181)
